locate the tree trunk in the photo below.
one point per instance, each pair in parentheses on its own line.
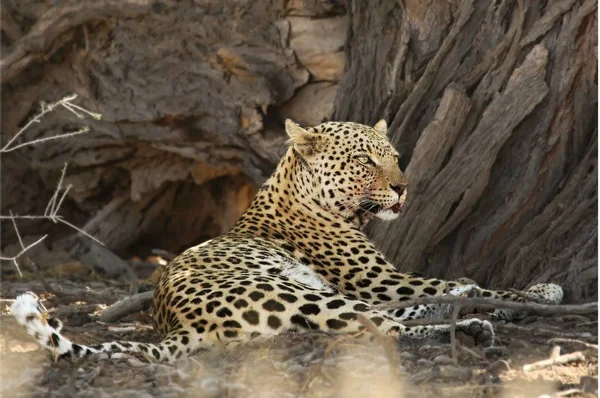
(493,107)
(192,97)
(492,104)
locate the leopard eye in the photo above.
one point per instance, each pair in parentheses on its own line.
(363,159)
(398,161)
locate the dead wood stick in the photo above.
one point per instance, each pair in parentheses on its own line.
(576,356)
(542,309)
(469,352)
(127,306)
(558,340)
(455,313)
(541,331)
(388,344)
(566,393)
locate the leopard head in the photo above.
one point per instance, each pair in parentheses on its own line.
(352,168)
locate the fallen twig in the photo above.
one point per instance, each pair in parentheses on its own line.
(536,330)
(127,306)
(576,356)
(566,393)
(555,352)
(542,309)
(23,251)
(455,313)
(469,352)
(559,340)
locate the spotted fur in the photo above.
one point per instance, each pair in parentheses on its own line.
(296,260)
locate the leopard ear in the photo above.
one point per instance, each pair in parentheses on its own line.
(381,127)
(303,141)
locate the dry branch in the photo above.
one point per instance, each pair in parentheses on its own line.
(558,340)
(542,309)
(67,103)
(55,202)
(22,252)
(559,360)
(129,305)
(532,331)
(453,343)
(470,352)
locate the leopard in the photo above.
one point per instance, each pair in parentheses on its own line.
(298,260)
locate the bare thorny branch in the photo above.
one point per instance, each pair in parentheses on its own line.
(66,103)
(57,199)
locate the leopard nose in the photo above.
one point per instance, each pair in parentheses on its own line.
(399,189)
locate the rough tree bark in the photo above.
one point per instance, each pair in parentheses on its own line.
(491,103)
(493,106)
(192,98)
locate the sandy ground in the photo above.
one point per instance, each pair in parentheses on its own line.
(291,365)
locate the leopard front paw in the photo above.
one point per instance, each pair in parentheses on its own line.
(467,291)
(481,331)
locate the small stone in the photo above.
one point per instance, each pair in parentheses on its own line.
(443,360)
(498,367)
(588,384)
(451,372)
(210,384)
(425,362)
(407,356)
(494,352)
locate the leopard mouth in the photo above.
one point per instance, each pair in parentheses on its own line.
(368,207)
(397,208)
